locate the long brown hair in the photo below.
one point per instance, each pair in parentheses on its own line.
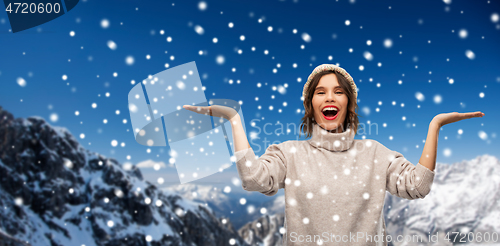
(351,120)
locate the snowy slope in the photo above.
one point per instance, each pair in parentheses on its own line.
(465,197)
(54,192)
(228,203)
(266,231)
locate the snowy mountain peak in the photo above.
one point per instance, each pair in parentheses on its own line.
(464,197)
(54,192)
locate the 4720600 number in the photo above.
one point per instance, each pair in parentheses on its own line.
(32,8)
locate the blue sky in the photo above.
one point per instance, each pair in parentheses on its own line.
(446,50)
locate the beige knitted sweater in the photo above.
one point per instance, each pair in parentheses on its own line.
(334,186)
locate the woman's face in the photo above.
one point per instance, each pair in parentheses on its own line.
(329,95)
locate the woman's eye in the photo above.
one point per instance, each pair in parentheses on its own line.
(321,93)
(339,92)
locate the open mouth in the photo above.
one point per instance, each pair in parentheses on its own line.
(330,114)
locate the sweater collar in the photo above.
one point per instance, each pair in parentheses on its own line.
(331,141)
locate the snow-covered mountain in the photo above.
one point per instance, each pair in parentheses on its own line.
(267,230)
(465,197)
(54,192)
(229,203)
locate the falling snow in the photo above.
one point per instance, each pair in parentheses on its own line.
(21,82)
(104,23)
(270,87)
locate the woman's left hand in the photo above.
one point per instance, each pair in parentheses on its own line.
(447,118)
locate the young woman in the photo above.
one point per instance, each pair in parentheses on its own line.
(334,185)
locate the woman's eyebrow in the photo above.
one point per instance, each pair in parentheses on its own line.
(336,87)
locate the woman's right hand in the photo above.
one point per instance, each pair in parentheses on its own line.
(214,110)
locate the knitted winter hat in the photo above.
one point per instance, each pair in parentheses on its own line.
(331,67)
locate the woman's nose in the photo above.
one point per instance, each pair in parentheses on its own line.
(329,97)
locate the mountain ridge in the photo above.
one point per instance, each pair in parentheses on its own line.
(55,192)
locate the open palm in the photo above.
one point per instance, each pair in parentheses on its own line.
(213,110)
(447,118)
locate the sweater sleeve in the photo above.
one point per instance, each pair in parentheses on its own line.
(404,179)
(265,174)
